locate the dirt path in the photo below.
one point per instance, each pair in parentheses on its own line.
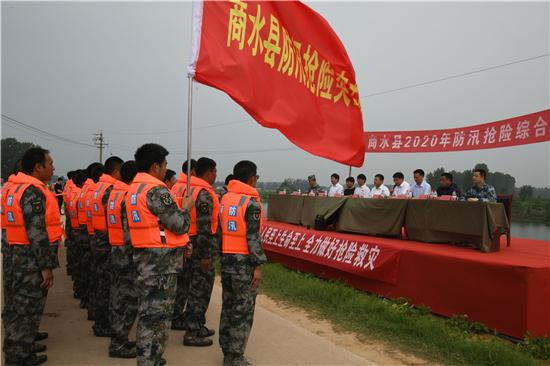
(281,336)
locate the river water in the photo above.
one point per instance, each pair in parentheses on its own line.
(531,231)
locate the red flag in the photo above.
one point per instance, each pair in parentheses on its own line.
(283,63)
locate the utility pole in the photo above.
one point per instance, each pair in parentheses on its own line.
(99,142)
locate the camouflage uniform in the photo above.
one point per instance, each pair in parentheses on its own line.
(202,282)
(238,299)
(83,255)
(27,262)
(123,300)
(69,243)
(101,252)
(315,190)
(5,273)
(157,270)
(486,193)
(92,279)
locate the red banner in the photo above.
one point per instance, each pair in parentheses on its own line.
(283,63)
(348,253)
(527,129)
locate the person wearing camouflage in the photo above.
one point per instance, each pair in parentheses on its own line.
(200,267)
(242,257)
(123,294)
(158,232)
(33,225)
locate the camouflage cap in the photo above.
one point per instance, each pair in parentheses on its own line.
(311,177)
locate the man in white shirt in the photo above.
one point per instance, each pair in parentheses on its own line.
(401,188)
(379,189)
(336,188)
(421,187)
(362,190)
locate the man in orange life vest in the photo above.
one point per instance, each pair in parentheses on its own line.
(242,257)
(123,297)
(33,224)
(78,179)
(158,232)
(199,269)
(178,191)
(101,247)
(69,234)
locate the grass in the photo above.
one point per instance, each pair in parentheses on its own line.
(414,330)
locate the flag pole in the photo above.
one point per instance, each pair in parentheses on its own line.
(189,129)
(349,175)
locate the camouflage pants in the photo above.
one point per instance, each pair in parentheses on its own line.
(70,243)
(156,301)
(182,293)
(82,269)
(92,279)
(200,291)
(238,303)
(27,305)
(5,274)
(123,300)
(102,276)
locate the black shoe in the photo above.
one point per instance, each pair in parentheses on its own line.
(206,332)
(196,341)
(40,336)
(37,348)
(130,344)
(35,360)
(162,361)
(101,333)
(83,304)
(122,352)
(177,326)
(91,317)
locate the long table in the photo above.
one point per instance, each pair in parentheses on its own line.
(475,224)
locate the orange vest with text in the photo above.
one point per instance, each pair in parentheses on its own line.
(114,219)
(98,210)
(197,185)
(232,212)
(88,205)
(145,229)
(72,206)
(82,202)
(4,191)
(15,224)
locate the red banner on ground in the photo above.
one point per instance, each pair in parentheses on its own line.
(527,129)
(355,256)
(283,63)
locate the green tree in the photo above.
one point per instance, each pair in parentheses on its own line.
(12,150)
(526,192)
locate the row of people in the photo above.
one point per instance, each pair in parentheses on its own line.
(136,251)
(479,191)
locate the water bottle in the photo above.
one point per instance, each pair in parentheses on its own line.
(434,194)
(454,196)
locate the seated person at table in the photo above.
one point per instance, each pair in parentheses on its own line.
(314,188)
(421,187)
(336,188)
(379,188)
(447,187)
(362,190)
(350,186)
(401,188)
(481,191)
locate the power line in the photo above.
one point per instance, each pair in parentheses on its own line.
(38,130)
(455,76)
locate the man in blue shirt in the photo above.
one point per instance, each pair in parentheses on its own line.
(421,187)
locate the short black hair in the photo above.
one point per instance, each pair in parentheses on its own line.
(334,175)
(244,170)
(32,157)
(350,179)
(204,165)
(481,172)
(361,176)
(399,175)
(128,171)
(70,174)
(419,171)
(449,176)
(149,154)
(90,168)
(97,172)
(59,178)
(184,166)
(169,174)
(79,178)
(379,176)
(112,164)
(229,178)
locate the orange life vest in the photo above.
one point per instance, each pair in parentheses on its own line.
(88,205)
(72,206)
(145,229)
(98,210)
(179,188)
(197,184)
(82,201)
(232,212)
(114,220)
(67,191)
(4,191)
(15,224)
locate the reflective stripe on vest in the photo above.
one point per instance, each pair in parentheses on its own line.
(98,210)
(72,208)
(114,218)
(145,231)
(232,211)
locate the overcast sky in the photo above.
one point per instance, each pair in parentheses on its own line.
(76,68)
